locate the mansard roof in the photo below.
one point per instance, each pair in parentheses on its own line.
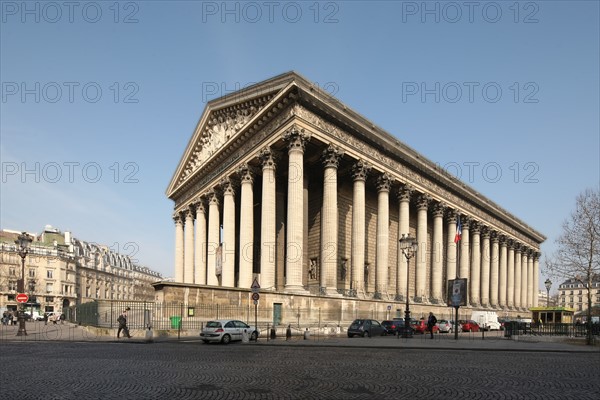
(233,118)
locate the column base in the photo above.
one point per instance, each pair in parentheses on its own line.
(331,292)
(295,289)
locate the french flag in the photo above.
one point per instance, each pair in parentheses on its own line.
(458,231)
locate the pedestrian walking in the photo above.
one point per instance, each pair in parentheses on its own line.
(122,320)
(431,321)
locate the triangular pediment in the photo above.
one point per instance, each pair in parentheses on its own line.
(222,121)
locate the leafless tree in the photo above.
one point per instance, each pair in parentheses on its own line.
(578,247)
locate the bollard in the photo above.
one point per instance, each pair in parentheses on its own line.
(149,338)
(273,333)
(288,332)
(306,334)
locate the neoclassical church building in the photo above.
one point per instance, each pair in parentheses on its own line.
(282,183)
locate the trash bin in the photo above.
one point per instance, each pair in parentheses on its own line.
(175,321)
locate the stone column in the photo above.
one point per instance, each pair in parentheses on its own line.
(518,275)
(437,254)
(421,257)
(451,246)
(360,170)
(524,276)
(246,252)
(475,263)
(178,247)
(267,220)
(485,266)
(510,275)
(188,246)
(383,235)
(402,263)
(536,278)
(214,239)
(530,288)
(465,260)
(200,244)
(496,276)
(329,221)
(503,276)
(228,244)
(296,139)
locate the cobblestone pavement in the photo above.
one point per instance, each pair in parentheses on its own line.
(193,370)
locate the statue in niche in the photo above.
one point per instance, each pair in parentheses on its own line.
(312,269)
(344,268)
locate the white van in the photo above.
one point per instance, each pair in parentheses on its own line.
(487,320)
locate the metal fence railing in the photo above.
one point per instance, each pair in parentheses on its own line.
(179,316)
(571,330)
(166,316)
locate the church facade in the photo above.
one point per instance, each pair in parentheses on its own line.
(283,184)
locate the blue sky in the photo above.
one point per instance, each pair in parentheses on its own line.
(99,99)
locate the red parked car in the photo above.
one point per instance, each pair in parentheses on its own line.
(420,326)
(469,326)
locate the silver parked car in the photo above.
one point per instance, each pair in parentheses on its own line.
(445,326)
(227,330)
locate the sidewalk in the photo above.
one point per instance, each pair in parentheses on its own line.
(38,331)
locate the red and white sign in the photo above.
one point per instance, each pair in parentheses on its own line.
(22,298)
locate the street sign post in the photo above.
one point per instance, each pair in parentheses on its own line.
(22,298)
(255,286)
(255,296)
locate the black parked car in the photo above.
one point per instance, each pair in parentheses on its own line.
(393,326)
(366,327)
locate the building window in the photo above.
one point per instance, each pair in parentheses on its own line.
(49,274)
(12,272)
(32,272)
(49,288)
(12,285)
(49,299)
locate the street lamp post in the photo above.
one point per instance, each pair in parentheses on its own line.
(409,247)
(23,241)
(548,285)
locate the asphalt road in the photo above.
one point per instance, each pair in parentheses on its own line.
(193,370)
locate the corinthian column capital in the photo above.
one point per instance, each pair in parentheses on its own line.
(404,192)
(177,219)
(267,158)
(452,215)
(227,186)
(296,138)
(423,201)
(331,156)
(200,204)
(384,182)
(246,173)
(360,170)
(438,209)
(213,197)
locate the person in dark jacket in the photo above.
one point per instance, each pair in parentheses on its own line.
(122,320)
(431,321)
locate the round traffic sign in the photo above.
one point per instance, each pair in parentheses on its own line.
(22,298)
(255,296)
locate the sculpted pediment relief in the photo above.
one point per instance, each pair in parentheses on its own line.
(220,127)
